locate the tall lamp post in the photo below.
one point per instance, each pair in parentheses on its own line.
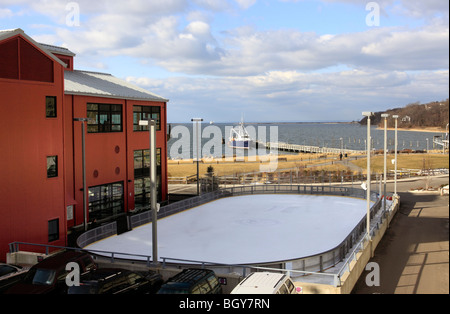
(83,152)
(153,203)
(368,115)
(198,121)
(385,116)
(396,148)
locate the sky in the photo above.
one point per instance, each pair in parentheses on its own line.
(264,60)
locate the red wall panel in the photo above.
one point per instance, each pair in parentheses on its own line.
(9,59)
(34,65)
(28,199)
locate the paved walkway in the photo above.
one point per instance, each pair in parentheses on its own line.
(414,253)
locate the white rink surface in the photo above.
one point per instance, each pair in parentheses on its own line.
(247,229)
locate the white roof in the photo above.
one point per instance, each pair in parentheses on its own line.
(260,283)
(58,50)
(105,85)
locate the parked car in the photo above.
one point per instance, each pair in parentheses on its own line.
(192,281)
(265,283)
(118,281)
(49,275)
(10,274)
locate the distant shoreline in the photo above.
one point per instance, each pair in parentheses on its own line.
(249,123)
(427,130)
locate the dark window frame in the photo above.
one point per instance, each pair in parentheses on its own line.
(53,230)
(141,113)
(106,200)
(102,118)
(51,112)
(142,176)
(52,173)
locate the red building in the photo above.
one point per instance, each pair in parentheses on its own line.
(41,188)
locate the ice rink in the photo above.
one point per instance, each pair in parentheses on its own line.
(247,229)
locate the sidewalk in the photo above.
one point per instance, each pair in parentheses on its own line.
(414,253)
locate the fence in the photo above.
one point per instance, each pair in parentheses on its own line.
(304,264)
(179,206)
(307,265)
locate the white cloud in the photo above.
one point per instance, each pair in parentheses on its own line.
(258,69)
(174,35)
(245,4)
(412,8)
(6,13)
(296,96)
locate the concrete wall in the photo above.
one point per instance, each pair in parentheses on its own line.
(349,279)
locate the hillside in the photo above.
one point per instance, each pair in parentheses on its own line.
(416,116)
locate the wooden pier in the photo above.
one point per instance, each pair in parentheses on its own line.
(295,148)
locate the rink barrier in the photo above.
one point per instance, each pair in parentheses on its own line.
(337,280)
(174,208)
(305,264)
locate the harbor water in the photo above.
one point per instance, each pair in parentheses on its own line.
(352,136)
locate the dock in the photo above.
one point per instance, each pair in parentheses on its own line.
(296,148)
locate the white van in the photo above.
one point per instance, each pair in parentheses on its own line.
(265,283)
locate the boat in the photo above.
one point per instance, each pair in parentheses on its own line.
(239,137)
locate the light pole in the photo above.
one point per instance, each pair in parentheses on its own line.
(368,115)
(385,116)
(445,139)
(153,203)
(198,121)
(83,153)
(396,145)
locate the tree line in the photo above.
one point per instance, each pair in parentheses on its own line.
(415,115)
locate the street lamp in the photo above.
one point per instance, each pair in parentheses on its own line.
(368,115)
(396,145)
(153,204)
(385,116)
(198,121)
(83,153)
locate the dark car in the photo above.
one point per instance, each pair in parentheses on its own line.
(10,275)
(192,281)
(49,275)
(118,281)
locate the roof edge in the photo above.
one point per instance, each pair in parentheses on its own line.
(20,32)
(115,96)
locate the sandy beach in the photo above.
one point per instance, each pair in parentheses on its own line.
(428,130)
(327,162)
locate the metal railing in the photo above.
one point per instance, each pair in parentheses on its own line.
(308,265)
(304,265)
(145,217)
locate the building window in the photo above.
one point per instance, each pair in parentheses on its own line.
(52,166)
(106,201)
(104,118)
(142,177)
(53,230)
(50,106)
(144,113)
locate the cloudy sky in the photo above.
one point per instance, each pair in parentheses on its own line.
(266,60)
